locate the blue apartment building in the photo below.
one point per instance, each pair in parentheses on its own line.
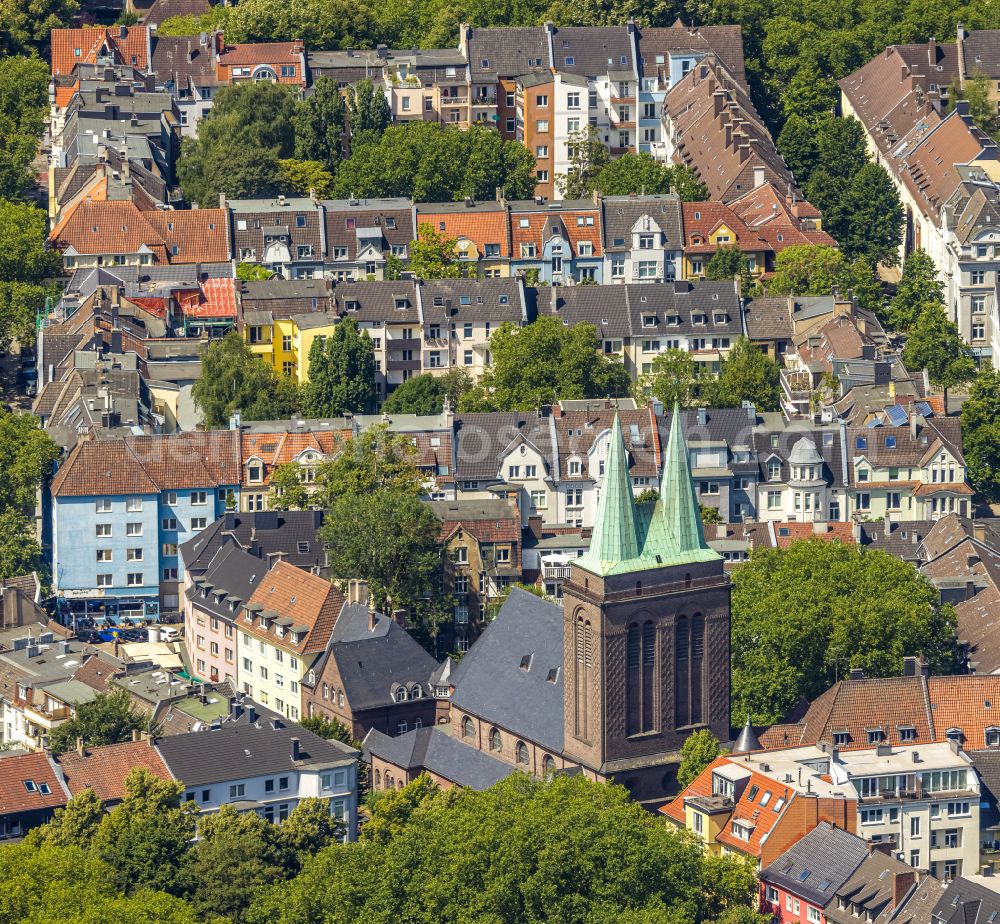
(120,508)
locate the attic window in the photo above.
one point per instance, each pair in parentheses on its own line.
(697,216)
(526,662)
(553,675)
(861,442)
(30,786)
(890,442)
(570,60)
(485,64)
(303,548)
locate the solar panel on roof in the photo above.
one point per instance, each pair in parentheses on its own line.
(896,414)
(925,409)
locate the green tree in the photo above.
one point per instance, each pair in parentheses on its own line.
(981,434)
(710,516)
(27,457)
(919,286)
(390,810)
(319,24)
(728,262)
(20,304)
(806,269)
(697,752)
(319,124)
(982,107)
(144,839)
(236,855)
(797,144)
(215,20)
(341,373)
(747,374)
(249,129)
(935,344)
(20,552)
(635,174)
(252,271)
(233,378)
(308,829)
(109,718)
(432,255)
(392,543)
(53,885)
(305,178)
(805,614)
(375,460)
(73,826)
(425,394)
(24,98)
(859,278)
(545,362)
(431,163)
(25,25)
(330,729)
(873,217)
(675,377)
(288,491)
(588,158)
(523,851)
(24,256)
(368,112)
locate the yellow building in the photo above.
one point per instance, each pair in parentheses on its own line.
(284,343)
(284,629)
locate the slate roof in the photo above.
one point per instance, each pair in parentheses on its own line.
(261,217)
(180,58)
(966,902)
(577,432)
(768,318)
(239,749)
(979,628)
(344,218)
(103,769)
(981,48)
(932,434)
(483,438)
(437,752)
(594,50)
(619,214)
(899,539)
(497,301)
(372,662)
(262,534)
(817,865)
(605,307)
(725,42)
(870,888)
(234,575)
(490,683)
(376,301)
(684,301)
(485,520)
(36,768)
(311,602)
(508,52)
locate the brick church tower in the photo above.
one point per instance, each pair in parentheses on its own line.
(645,630)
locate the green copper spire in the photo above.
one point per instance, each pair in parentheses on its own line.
(678,505)
(614,545)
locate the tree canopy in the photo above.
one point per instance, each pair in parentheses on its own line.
(935,344)
(425,394)
(697,752)
(523,852)
(433,255)
(674,377)
(981,434)
(233,378)
(543,363)
(341,373)
(919,286)
(109,718)
(24,99)
(746,374)
(804,615)
(635,174)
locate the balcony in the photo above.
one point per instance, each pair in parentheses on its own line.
(403,343)
(555,572)
(484,101)
(45,718)
(454,100)
(399,365)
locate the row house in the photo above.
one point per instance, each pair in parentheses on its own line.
(915,471)
(481,231)
(642,237)
(482,543)
(710,124)
(639,321)
(556,242)
(32,791)
(276,62)
(120,508)
(364,235)
(185,67)
(287,235)
(92,234)
(944,169)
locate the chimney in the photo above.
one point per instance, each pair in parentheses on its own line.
(978,531)
(909,666)
(136,734)
(372,619)
(252,714)
(932,51)
(901,884)
(820,528)
(913,425)
(296,753)
(79,747)
(357,591)
(857,673)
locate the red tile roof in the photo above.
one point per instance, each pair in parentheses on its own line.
(82,46)
(971,707)
(787,533)
(215,298)
(478,226)
(701,219)
(196,236)
(259,53)
(103,769)
(28,768)
(275,449)
(572,231)
(306,599)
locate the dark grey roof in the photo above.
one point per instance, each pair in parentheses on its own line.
(724,41)
(899,539)
(371,662)
(818,865)
(231,570)
(508,52)
(768,318)
(606,307)
(622,213)
(491,683)
(377,300)
(592,51)
(966,902)
(458,300)
(828,444)
(481,439)
(345,218)
(239,749)
(437,752)
(674,306)
(273,531)
(982,52)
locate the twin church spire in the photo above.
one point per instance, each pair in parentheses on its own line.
(630,537)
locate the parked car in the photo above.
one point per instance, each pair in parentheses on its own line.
(170,633)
